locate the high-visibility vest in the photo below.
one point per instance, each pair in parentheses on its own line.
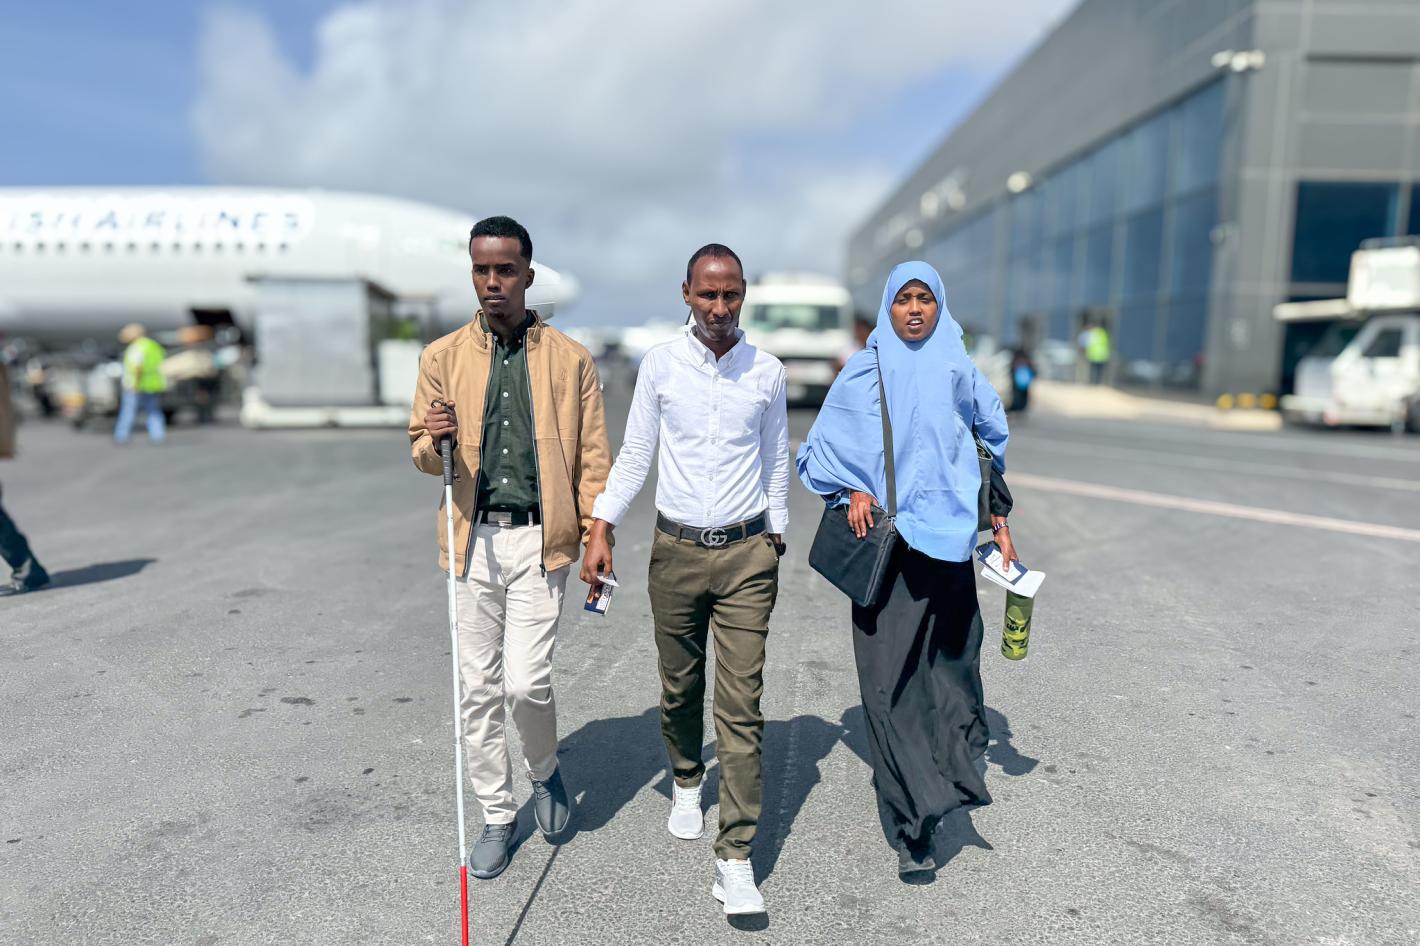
(144,358)
(1097,347)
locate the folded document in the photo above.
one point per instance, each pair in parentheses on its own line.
(1020,579)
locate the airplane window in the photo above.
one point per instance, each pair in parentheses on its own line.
(261,247)
(108,247)
(19,247)
(216,247)
(59,247)
(154,248)
(84,247)
(39,247)
(283,247)
(177,247)
(239,248)
(197,247)
(133,247)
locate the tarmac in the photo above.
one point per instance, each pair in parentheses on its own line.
(228,722)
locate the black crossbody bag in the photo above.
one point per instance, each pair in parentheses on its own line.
(856,566)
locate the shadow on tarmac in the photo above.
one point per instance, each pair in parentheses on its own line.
(608,761)
(93,574)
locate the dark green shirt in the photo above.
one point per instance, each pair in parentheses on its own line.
(507,476)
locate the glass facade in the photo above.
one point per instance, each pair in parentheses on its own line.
(1123,231)
(1332,219)
(965,259)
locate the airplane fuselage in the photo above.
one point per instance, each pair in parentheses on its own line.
(77,263)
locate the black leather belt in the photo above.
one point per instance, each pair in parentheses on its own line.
(498,517)
(714,537)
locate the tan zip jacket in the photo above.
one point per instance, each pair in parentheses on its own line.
(7,419)
(569,428)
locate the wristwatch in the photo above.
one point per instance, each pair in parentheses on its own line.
(998,526)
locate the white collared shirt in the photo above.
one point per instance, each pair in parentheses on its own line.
(723,428)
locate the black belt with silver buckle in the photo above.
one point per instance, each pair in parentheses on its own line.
(498,517)
(713,537)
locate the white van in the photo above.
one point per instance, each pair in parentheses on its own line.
(804,320)
(1375,379)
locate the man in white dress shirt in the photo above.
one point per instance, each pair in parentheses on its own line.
(716,405)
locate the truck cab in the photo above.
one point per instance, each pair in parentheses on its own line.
(804,320)
(1374,380)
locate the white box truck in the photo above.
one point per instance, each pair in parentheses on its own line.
(804,320)
(1374,381)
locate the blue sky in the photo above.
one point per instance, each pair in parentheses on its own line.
(623,134)
(99,92)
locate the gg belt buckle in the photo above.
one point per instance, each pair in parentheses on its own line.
(714,537)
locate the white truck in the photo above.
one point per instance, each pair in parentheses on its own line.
(804,320)
(1375,379)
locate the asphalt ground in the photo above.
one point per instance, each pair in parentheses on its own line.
(228,723)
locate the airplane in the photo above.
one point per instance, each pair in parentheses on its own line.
(79,263)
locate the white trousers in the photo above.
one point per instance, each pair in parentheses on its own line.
(508,613)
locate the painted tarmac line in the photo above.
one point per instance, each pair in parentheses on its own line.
(1253,440)
(1226,466)
(1213,508)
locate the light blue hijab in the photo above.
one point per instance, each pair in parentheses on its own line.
(935,396)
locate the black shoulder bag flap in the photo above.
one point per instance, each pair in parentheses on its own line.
(986,459)
(856,566)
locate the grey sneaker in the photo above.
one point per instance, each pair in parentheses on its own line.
(735,888)
(489,857)
(30,576)
(916,857)
(550,805)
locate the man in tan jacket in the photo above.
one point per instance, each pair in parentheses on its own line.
(26,573)
(530,457)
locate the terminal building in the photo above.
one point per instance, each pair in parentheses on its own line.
(1175,169)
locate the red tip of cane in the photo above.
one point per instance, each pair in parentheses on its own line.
(463,901)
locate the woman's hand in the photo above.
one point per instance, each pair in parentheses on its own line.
(1002,537)
(860,513)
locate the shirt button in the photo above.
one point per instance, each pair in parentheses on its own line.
(505,393)
(505,481)
(505,361)
(505,423)
(505,451)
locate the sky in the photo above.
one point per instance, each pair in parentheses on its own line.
(622,135)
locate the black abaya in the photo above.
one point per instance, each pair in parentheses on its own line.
(918,650)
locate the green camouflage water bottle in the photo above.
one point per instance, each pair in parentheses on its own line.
(1015,632)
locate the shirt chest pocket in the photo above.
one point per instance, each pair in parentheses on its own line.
(741,409)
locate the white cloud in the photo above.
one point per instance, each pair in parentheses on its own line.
(624,135)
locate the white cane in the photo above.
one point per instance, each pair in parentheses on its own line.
(446,450)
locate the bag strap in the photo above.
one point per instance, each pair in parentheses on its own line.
(887,446)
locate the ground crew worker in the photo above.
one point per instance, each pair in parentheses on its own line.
(1097,351)
(143,384)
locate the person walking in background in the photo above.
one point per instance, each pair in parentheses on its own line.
(529,463)
(143,384)
(918,647)
(862,328)
(1097,351)
(716,405)
(26,573)
(1022,377)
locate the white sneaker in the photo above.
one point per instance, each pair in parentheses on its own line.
(687,821)
(734,887)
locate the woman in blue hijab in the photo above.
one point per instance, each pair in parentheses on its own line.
(918,647)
